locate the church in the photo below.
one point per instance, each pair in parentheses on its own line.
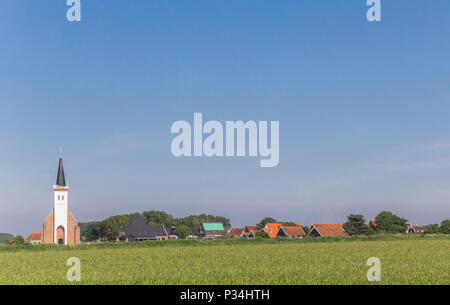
(60,227)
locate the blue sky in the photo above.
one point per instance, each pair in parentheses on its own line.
(363,108)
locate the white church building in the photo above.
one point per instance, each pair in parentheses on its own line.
(60,227)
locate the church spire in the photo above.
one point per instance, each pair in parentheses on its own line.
(60,179)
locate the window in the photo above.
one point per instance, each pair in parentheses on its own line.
(62,197)
(59,197)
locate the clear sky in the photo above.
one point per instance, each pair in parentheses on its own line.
(363,107)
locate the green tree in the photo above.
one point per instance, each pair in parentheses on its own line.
(115,225)
(19,240)
(95,230)
(445,226)
(159,218)
(6,238)
(265,221)
(356,225)
(389,222)
(432,229)
(289,224)
(183,231)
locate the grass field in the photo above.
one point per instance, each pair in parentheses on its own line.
(403,261)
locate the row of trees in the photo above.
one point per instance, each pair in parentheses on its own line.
(387,222)
(114,225)
(5,238)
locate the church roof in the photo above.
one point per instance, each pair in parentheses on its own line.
(60,179)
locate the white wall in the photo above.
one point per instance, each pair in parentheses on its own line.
(61,199)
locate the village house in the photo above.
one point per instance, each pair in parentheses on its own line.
(326,230)
(238,232)
(138,229)
(251,234)
(415,229)
(291,231)
(250,231)
(34,238)
(272,229)
(171,232)
(249,228)
(209,230)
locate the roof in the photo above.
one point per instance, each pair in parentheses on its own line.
(34,236)
(415,227)
(139,227)
(272,229)
(293,231)
(213,226)
(329,229)
(236,232)
(250,228)
(60,178)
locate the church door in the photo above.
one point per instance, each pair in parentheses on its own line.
(60,235)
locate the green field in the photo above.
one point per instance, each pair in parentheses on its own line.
(403,261)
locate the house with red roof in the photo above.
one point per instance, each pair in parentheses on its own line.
(415,229)
(291,231)
(251,234)
(248,229)
(272,229)
(34,238)
(236,232)
(326,230)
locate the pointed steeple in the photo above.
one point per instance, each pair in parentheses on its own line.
(60,179)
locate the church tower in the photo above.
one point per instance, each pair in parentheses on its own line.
(61,191)
(60,227)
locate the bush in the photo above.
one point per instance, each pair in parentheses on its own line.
(182,231)
(261,234)
(19,240)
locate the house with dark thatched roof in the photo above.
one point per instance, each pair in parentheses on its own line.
(139,229)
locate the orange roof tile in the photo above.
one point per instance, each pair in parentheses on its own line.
(293,231)
(272,229)
(250,228)
(329,229)
(236,232)
(34,236)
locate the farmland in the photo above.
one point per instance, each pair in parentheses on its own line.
(403,261)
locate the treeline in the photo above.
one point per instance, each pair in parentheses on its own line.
(111,227)
(388,222)
(5,238)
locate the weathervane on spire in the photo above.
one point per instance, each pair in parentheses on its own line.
(60,152)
